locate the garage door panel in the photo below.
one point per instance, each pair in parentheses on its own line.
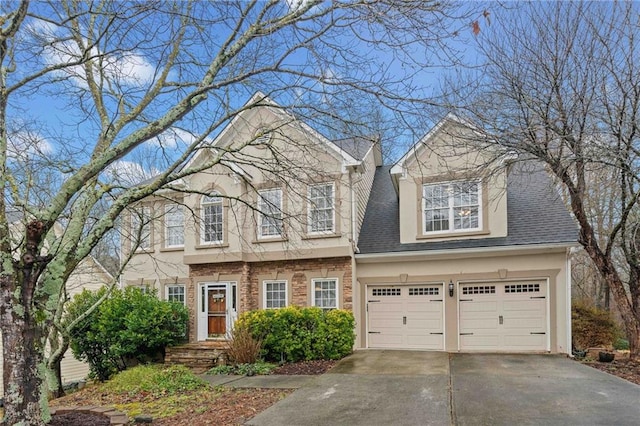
(506,317)
(479,306)
(415,312)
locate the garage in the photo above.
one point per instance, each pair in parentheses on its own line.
(405,316)
(509,317)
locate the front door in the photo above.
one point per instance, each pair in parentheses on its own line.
(216,309)
(217,313)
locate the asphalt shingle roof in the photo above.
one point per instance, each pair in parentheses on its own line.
(535,213)
(356,147)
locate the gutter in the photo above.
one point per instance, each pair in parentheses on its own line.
(402,255)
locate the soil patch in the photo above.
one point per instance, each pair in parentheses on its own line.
(75,418)
(305,368)
(624,368)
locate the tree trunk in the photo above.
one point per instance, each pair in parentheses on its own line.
(54,369)
(25,402)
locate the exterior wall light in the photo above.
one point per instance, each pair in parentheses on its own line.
(450,288)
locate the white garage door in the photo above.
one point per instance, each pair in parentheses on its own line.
(503,317)
(405,317)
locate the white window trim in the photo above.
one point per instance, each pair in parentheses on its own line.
(261,215)
(138,219)
(333,210)
(202,224)
(184,291)
(313,292)
(264,292)
(451,211)
(167,209)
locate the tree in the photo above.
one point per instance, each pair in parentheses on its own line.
(560,84)
(111,82)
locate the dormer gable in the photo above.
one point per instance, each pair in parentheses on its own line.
(450,186)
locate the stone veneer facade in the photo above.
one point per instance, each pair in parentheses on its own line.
(249,276)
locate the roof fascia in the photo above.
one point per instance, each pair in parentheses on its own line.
(462,252)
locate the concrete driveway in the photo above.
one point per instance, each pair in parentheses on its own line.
(380,387)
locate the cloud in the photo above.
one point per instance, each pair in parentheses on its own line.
(126,68)
(125,172)
(173,138)
(25,144)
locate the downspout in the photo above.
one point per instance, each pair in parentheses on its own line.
(569,343)
(355,288)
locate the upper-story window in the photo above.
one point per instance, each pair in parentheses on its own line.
(321,209)
(270,213)
(452,206)
(141,228)
(211,220)
(173,225)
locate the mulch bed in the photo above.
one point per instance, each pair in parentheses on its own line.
(624,368)
(78,419)
(312,368)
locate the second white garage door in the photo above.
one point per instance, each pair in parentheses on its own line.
(503,316)
(406,317)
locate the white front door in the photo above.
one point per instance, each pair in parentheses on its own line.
(406,316)
(217,309)
(503,316)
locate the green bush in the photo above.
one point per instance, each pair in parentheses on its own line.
(592,326)
(292,334)
(130,325)
(621,344)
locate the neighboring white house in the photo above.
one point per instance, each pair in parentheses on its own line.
(89,275)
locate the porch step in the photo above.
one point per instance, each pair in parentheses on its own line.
(199,357)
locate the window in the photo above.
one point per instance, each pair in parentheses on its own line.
(173,226)
(325,293)
(174,293)
(275,294)
(211,219)
(270,213)
(451,206)
(321,209)
(141,228)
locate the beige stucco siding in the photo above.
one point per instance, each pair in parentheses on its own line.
(448,156)
(548,266)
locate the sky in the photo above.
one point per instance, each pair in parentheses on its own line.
(55,117)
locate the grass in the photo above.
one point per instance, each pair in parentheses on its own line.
(256,368)
(155,380)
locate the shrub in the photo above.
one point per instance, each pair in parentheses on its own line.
(243,348)
(130,325)
(621,344)
(292,334)
(591,326)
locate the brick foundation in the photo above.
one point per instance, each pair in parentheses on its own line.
(248,276)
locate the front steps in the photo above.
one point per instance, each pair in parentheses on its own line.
(199,357)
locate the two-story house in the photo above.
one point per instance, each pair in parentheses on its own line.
(431,253)
(275,223)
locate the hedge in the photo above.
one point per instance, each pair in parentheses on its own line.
(294,334)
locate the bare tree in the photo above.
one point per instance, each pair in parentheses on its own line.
(109,81)
(561,84)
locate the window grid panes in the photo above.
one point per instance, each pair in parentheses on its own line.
(141,227)
(325,293)
(175,293)
(270,207)
(212,220)
(451,206)
(321,208)
(275,294)
(174,226)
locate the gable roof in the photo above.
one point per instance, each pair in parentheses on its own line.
(357,147)
(535,213)
(260,100)
(422,144)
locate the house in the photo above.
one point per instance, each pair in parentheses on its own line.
(430,253)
